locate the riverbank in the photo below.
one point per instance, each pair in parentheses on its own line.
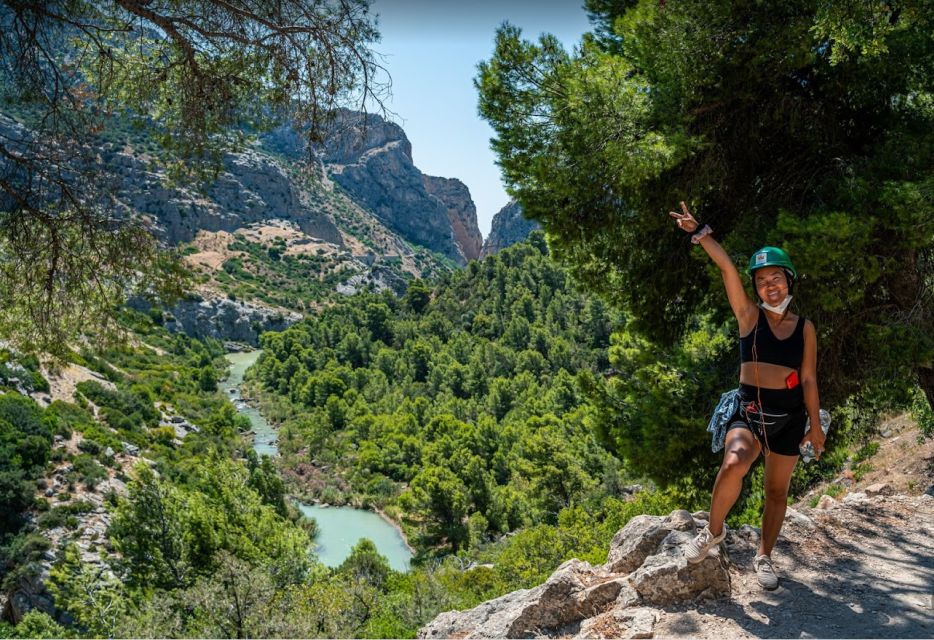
(341,522)
(397,526)
(305,480)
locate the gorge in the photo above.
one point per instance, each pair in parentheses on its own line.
(339,528)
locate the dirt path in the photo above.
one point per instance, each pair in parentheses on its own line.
(863,568)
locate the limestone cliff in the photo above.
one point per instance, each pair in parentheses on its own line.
(509,227)
(215,317)
(371,159)
(251,188)
(368,157)
(462,213)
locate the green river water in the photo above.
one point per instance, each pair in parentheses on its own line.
(339,528)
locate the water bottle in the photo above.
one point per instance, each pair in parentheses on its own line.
(807,449)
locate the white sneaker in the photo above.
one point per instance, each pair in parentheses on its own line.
(765,572)
(697,549)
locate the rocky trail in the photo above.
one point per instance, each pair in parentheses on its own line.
(858,567)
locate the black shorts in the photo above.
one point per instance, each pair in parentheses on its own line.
(783,417)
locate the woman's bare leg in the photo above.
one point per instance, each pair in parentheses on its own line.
(740,451)
(778,470)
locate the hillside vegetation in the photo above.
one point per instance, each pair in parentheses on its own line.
(457,406)
(159,519)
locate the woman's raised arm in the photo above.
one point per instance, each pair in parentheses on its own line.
(743,307)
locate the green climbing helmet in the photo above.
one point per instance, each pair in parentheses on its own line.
(771,257)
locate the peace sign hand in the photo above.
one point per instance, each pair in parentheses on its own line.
(686,221)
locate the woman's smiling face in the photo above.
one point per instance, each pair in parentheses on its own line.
(771,285)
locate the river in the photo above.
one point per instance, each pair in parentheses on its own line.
(339,528)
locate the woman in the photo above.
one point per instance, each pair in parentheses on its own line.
(778,392)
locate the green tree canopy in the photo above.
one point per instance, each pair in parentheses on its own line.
(806,124)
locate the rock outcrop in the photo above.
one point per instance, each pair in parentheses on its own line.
(645,568)
(829,584)
(251,188)
(462,213)
(222,318)
(371,159)
(509,227)
(28,592)
(376,278)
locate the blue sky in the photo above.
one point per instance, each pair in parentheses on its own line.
(431,50)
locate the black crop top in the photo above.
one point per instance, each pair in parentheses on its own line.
(787,353)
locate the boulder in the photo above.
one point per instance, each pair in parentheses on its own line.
(668,577)
(879,489)
(639,538)
(646,565)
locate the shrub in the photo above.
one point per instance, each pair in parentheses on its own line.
(866,451)
(122,409)
(89,447)
(69,417)
(89,470)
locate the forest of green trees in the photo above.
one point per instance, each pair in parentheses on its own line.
(206,528)
(459,407)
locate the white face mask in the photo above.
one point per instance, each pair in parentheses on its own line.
(780,308)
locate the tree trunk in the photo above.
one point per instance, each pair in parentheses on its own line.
(926,380)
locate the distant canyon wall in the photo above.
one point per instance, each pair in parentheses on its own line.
(371,159)
(509,227)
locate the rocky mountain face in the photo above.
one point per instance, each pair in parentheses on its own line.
(371,159)
(462,213)
(250,187)
(221,318)
(509,227)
